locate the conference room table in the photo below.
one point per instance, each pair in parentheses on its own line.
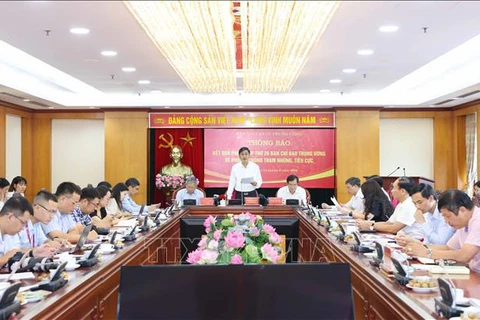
(92,293)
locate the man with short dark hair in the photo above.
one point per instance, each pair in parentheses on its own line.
(293,191)
(403,216)
(190,192)
(355,206)
(13,218)
(128,205)
(436,230)
(88,203)
(464,246)
(63,225)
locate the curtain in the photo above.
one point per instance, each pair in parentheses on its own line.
(471,146)
(191,141)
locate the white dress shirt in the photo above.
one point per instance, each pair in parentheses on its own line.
(299,194)
(238,172)
(405,213)
(436,230)
(356,202)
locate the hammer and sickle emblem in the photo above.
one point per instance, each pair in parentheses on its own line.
(169,143)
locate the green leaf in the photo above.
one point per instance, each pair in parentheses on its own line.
(251,250)
(227,223)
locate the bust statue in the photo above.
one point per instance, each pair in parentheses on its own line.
(176,168)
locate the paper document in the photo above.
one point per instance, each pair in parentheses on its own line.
(335,202)
(246,180)
(18,276)
(127,223)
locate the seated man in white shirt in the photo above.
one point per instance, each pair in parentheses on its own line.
(14,215)
(355,206)
(293,191)
(436,229)
(44,210)
(190,192)
(403,218)
(62,225)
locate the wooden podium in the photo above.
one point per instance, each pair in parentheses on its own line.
(389,180)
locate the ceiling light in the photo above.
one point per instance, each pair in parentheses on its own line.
(91,107)
(128,69)
(79,31)
(278,38)
(143,81)
(51,107)
(349,70)
(26,100)
(365,52)
(315,106)
(109,53)
(324,91)
(196,38)
(240,107)
(335,81)
(166,107)
(388,28)
(156,91)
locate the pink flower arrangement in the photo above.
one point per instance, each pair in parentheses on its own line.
(165,181)
(237,239)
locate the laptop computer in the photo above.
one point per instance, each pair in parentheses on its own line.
(83,238)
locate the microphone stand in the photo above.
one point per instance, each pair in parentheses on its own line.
(393,171)
(404,172)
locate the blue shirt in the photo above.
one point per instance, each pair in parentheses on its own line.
(79,216)
(183,195)
(436,230)
(32,235)
(61,222)
(129,205)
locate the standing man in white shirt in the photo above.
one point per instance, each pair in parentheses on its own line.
(293,191)
(244,169)
(436,230)
(403,218)
(355,206)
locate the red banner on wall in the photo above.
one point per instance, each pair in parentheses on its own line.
(243,120)
(306,153)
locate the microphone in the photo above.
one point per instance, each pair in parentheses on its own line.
(404,172)
(398,168)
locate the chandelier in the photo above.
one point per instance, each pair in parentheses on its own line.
(211,43)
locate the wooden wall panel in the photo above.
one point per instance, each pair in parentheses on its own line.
(443,155)
(126,149)
(42,154)
(358,147)
(27,156)
(3,141)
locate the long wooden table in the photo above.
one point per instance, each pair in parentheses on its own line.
(92,293)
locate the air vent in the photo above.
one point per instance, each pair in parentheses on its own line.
(469,94)
(10,95)
(39,104)
(443,102)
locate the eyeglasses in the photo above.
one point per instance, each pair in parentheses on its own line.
(75,203)
(24,223)
(49,211)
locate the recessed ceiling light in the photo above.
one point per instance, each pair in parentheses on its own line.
(388,28)
(167,107)
(315,106)
(79,31)
(240,107)
(143,81)
(26,100)
(365,52)
(128,69)
(156,91)
(349,70)
(324,91)
(108,53)
(91,107)
(51,107)
(335,81)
